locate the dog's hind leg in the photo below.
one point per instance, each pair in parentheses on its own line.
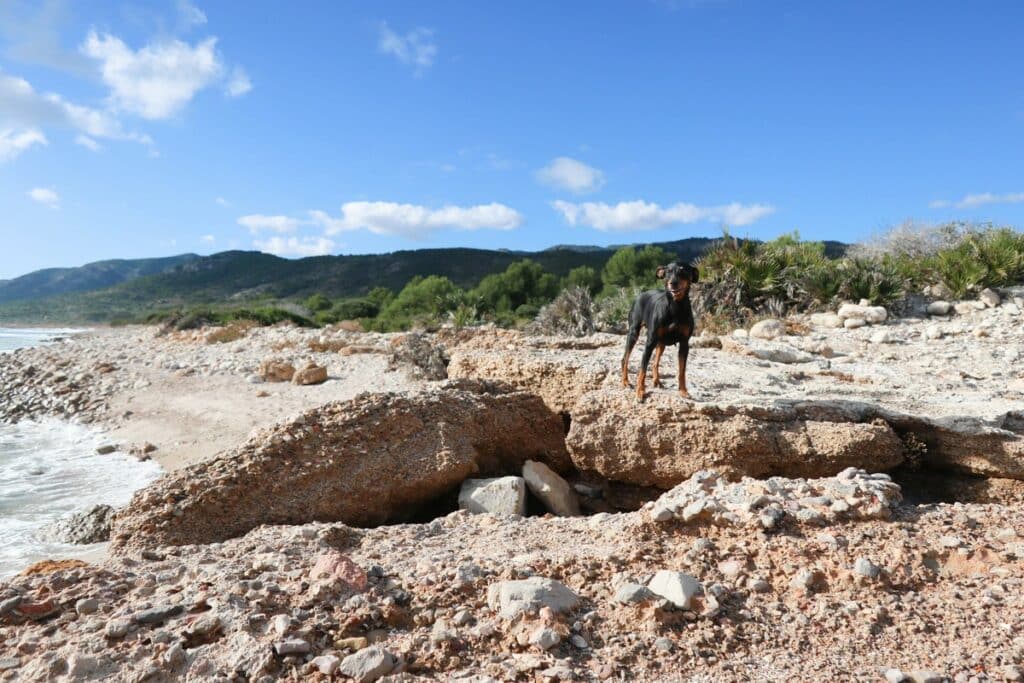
(655,378)
(631,337)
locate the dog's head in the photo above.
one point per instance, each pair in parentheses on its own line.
(678,277)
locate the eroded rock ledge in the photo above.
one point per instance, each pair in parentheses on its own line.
(664,440)
(373,459)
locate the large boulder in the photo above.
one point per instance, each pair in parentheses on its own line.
(665,440)
(82,528)
(373,459)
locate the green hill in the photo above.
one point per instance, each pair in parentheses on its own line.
(112,290)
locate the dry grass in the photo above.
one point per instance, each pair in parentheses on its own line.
(229,333)
(326,345)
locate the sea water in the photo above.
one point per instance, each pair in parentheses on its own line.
(49,469)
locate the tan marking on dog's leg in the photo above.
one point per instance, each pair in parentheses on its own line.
(655,377)
(682,377)
(640,381)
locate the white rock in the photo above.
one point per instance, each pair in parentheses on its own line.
(882,337)
(512,598)
(326,664)
(368,664)
(501,496)
(768,329)
(740,333)
(826,320)
(933,332)
(939,308)
(847,311)
(966,307)
(676,587)
(292,646)
(875,314)
(553,491)
(989,298)
(854,323)
(545,638)
(866,568)
(1011,309)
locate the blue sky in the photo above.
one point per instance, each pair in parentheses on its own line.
(153,128)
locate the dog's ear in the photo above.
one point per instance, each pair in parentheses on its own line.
(694,274)
(660,273)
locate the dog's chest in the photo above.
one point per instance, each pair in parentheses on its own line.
(674,331)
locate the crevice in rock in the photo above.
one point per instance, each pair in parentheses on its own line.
(926,485)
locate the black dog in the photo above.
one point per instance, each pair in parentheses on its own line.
(668,317)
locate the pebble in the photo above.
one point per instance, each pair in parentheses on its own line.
(676,587)
(292,646)
(545,638)
(866,568)
(117,628)
(326,664)
(87,606)
(158,615)
(8,663)
(632,593)
(664,645)
(368,664)
(950,541)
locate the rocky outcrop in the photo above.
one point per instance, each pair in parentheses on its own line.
(664,440)
(558,378)
(82,528)
(376,458)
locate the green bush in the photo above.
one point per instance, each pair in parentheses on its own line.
(628,267)
(317,303)
(523,284)
(583,277)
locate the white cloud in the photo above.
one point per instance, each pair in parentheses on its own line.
(45,195)
(411,220)
(973,201)
(14,142)
(158,80)
(569,174)
(88,143)
(415,48)
(641,215)
(257,223)
(295,246)
(190,14)
(222,201)
(21,104)
(239,84)
(207,239)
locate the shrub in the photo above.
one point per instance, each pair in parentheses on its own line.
(317,303)
(628,267)
(571,313)
(425,359)
(611,309)
(585,277)
(523,284)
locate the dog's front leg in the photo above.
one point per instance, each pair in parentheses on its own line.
(684,351)
(655,378)
(644,362)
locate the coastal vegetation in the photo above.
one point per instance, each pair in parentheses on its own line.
(569,289)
